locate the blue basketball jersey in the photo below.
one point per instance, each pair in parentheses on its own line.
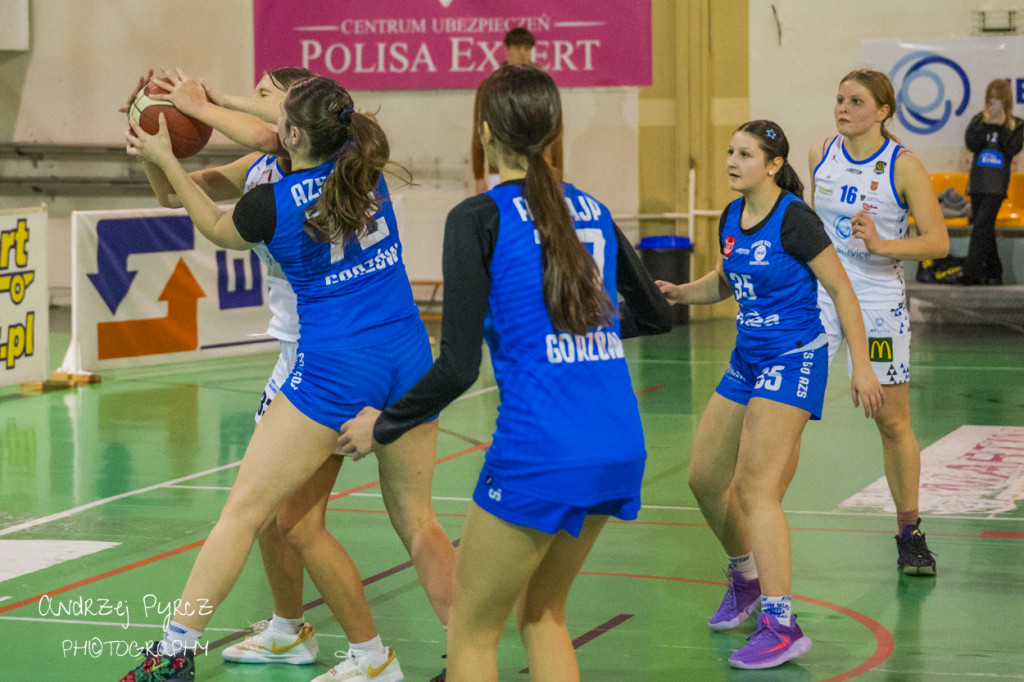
(777,294)
(347,294)
(568,427)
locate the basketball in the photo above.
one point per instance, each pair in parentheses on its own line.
(188,135)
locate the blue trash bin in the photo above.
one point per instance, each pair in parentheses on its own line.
(667,257)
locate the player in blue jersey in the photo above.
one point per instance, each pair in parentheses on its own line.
(774,251)
(330,225)
(405,481)
(865,187)
(539,265)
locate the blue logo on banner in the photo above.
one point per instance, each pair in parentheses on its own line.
(951,88)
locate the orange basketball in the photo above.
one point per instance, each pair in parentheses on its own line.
(188,135)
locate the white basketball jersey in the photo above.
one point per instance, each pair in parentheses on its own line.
(843,187)
(284,321)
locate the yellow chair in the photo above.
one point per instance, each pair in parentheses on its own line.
(1011,213)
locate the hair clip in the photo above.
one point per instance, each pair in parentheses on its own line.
(770,133)
(345,115)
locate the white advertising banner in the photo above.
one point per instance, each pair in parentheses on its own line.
(148,289)
(940,85)
(24,296)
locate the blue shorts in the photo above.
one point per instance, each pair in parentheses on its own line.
(544,515)
(796,378)
(331,387)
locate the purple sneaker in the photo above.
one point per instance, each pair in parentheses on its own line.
(739,601)
(771,644)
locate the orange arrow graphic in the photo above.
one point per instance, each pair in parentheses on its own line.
(179,331)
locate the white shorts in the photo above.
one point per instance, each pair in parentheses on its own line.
(282,370)
(888,331)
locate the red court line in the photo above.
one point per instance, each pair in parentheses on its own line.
(595,633)
(1001,534)
(648,390)
(102,576)
(883,638)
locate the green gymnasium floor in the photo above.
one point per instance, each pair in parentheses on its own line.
(90,478)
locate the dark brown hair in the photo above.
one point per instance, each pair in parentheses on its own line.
(288,76)
(521,106)
(772,141)
(324,111)
(880,87)
(520,36)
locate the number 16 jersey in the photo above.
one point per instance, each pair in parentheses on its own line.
(843,187)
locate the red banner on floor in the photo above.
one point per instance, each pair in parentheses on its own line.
(437,44)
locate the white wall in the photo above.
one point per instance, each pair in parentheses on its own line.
(85,57)
(796,64)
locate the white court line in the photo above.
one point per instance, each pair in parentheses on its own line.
(221,488)
(474,394)
(5,598)
(70,512)
(100,623)
(847,514)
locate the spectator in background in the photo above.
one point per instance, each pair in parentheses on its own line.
(519,44)
(994,136)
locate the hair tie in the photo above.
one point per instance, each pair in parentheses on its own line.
(345,115)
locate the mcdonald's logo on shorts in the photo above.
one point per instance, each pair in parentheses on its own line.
(880,349)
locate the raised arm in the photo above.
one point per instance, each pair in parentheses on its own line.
(246,129)
(216,225)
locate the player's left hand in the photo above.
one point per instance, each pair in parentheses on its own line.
(153,148)
(865,388)
(863,227)
(356,435)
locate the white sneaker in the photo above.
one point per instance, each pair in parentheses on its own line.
(360,665)
(268,645)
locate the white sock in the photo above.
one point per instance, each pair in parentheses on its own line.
(373,646)
(178,638)
(780,607)
(744,565)
(286,626)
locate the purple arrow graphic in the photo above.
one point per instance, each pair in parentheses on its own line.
(118,239)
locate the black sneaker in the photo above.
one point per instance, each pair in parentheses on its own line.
(155,667)
(914,556)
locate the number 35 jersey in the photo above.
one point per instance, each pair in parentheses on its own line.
(767,268)
(843,187)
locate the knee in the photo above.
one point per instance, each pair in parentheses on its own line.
(706,488)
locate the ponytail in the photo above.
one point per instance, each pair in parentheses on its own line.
(788,180)
(574,294)
(522,108)
(348,199)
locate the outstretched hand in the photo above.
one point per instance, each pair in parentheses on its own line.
(186,94)
(671,292)
(356,435)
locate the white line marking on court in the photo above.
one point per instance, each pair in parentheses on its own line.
(70,512)
(474,394)
(854,514)
(5,598)
(21,557)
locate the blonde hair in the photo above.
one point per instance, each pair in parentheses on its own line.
(1000,89)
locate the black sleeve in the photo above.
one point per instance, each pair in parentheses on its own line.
(803,235)
(644,309)
(974,136)
(1014,140)
(255,214)
(470,234)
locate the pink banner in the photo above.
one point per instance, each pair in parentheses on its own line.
(433,44)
